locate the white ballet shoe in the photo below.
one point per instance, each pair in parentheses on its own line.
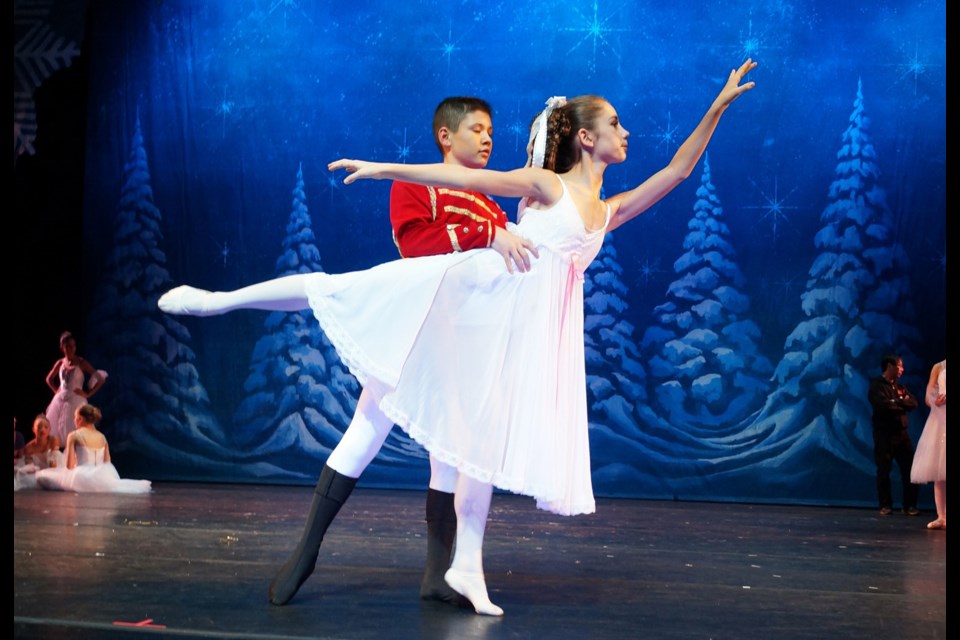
(473,587)
(186,301)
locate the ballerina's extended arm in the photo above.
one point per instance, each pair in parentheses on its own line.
(629,204)
(535,183)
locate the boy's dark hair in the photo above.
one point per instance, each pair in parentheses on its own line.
(451,112)
(889,359)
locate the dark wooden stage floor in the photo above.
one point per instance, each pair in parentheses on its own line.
(195,560)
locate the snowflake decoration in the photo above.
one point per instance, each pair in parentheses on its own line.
(595,29)
(519,131)
(939,260)
(224,252)
(785,285)
(649,269)
(665,135)
(284,6)
(749,43)
(226,110)
(404,149)
(913,69)
(449,46)
(37,53)
(774,209)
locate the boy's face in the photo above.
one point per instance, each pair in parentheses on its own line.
(471,144)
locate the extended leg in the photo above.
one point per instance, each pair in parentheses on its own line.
(466,573)
(359,445)
(279,294)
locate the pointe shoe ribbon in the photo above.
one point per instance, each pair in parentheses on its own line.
(185,301)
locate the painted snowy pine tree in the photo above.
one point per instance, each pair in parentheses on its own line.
(706,372)
(300,397)
(856,309)
(154,405)
(615,376)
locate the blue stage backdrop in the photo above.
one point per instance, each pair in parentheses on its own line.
(731,331)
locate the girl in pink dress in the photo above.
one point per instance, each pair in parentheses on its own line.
(930,458)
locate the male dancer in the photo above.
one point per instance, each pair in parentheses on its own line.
(426,221)
(430,221)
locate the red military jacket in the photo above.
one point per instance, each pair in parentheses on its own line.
(435,220)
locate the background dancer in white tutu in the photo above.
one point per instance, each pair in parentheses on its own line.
(87,465)
(73,380)
(520,373)
(41,452)
(930,458)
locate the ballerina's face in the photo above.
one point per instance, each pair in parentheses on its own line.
(610,138)
(78,419)
(41,428)
(69,347)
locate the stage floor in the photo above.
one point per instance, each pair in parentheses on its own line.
(195,560)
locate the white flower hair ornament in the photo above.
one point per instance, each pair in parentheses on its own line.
(540,128)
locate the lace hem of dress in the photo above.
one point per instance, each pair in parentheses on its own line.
(370,375)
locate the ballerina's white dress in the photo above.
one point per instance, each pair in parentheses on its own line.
(91,475)
(482,367)
(930,458)
(25,470)
(66,401)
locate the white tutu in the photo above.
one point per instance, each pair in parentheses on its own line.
(91,475)
(930,458)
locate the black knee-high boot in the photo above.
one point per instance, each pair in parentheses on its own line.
(441,533)
(332,491)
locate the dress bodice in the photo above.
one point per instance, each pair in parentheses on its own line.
(560,228)
(89,457)
(71,377)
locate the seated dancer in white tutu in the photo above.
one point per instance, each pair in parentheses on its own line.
(444,343)
(88,467)
(41,452)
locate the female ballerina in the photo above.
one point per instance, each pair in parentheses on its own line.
(42,452)
(930,459)
(519,369)
(66,380)
(87,465)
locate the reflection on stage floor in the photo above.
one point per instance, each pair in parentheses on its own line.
(195,560)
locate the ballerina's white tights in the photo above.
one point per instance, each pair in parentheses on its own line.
(357,448)
(366,433)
